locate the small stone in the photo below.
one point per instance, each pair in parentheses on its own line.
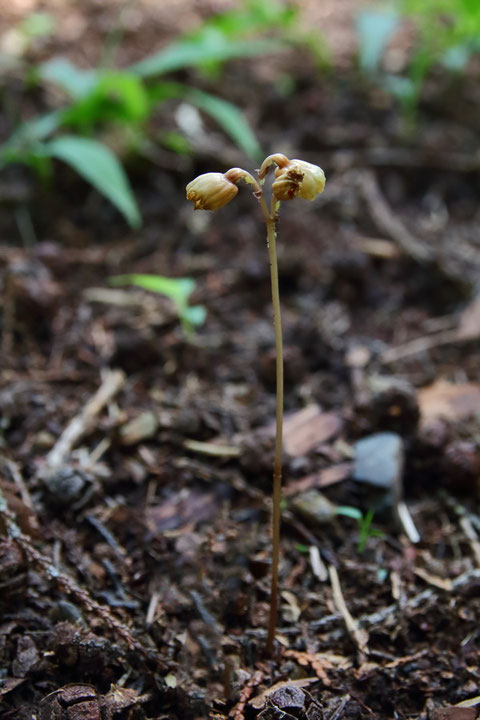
(140,428)
(68,484)
(379,462)
(288,697)
(314,507)
(26,657)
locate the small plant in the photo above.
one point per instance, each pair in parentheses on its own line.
(365,529)
(211,191)
(103,98)
(447,33)
(177,289)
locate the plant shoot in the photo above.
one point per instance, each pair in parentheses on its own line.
(211,191)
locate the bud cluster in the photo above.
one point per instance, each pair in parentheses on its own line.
(293,178)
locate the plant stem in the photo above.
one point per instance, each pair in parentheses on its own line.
(270,218)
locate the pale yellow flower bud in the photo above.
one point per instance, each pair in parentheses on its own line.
(211,191)
(298,179)
(313,182)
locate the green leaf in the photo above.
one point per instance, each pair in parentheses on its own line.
(25,145)
(38,25)
(95,162)
(457,57)
(74,81)
(401,87)
(300,547)
(252,16)
(350,512)
(228,116)
(195,314)
(374,28)
(116,97)
(177,289)
(176,142)
(214,48)
(34,130)
(39,162)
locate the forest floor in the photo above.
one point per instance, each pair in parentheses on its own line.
(136,460)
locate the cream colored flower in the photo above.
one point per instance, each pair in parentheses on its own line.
(298,179)
(313,182)
(211,191)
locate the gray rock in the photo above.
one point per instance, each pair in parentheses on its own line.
(379,461)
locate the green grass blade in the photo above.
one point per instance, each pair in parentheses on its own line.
(230,118)
(227,115)
(97,164)
(192,53)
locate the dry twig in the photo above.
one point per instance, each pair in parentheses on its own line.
(387,221)
(359,636)
(81,424)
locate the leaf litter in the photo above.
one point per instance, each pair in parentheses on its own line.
(136,585)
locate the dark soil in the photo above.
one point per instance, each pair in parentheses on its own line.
(137,584)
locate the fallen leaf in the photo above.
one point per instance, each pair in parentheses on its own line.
(469,325)
(322,479)
(183,508)
(9,684)
(292,610)
(308,428)
(450,401)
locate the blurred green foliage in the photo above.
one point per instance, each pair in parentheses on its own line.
(177,289)
(102,98)
(446,35)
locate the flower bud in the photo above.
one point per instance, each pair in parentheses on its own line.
(211,191)
(313,182)
(298,178)
(287,185)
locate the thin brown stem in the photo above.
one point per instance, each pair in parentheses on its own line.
(270,218)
